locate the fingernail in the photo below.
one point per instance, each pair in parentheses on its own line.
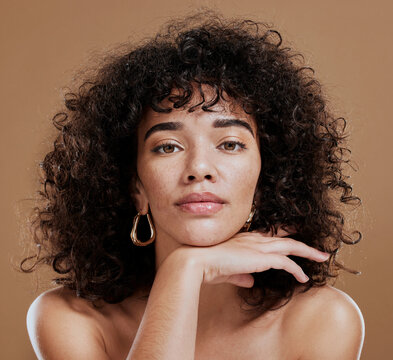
(324,256)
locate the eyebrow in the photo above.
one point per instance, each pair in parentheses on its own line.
(218,123)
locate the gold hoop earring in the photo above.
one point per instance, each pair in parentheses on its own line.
(134,236)
(247,225)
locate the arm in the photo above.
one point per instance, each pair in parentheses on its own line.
(172,309)
(169,326)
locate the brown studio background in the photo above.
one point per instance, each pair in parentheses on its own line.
(348,43)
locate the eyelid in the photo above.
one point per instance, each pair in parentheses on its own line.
(236,142)
(165,143)
(241,144)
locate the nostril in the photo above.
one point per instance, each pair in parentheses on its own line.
(192,177)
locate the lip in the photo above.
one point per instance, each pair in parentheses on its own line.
(207,197)
(201,208)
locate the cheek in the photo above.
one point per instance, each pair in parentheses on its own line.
(244,174)
(158,183)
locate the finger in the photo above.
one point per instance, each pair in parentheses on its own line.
(293,247)
(269,234)
(274,261)
(280,233)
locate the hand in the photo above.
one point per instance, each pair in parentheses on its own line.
(234,260)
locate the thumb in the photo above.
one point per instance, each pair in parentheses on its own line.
(242,280)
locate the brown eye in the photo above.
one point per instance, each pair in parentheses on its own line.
(168,148)
(231,146)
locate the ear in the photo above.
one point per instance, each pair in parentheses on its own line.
(138,194)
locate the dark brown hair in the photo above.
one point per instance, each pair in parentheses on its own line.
(82,226)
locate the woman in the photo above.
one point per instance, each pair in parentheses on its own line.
(219,137)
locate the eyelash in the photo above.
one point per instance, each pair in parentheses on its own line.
(158,147)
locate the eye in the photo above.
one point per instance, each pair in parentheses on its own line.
(167,148)
(231,145)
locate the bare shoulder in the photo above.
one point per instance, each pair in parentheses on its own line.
(58,322)
(330,320)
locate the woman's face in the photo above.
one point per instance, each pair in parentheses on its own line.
(182,153)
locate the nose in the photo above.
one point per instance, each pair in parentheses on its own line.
(200,166)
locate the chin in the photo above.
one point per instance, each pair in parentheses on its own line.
(204,235)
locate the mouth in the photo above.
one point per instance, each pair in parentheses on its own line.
(201,203)
(201,208)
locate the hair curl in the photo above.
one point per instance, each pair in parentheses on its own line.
(88,178)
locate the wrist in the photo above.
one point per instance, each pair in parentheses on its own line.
(187,259)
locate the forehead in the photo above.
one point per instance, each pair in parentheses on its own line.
(227,107)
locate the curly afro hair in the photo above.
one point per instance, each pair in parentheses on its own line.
(83,223)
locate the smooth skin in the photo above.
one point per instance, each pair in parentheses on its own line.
(193,310)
